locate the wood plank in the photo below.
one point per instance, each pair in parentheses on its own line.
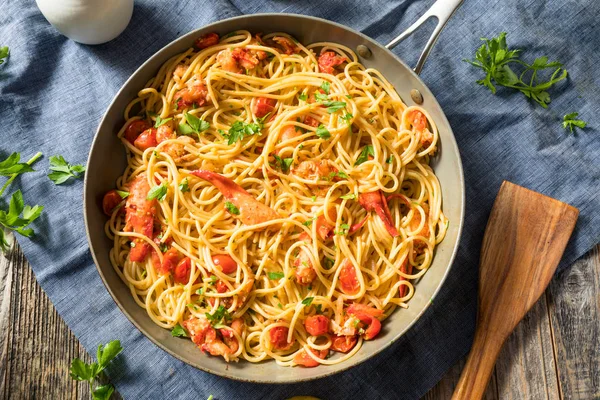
(37,346)
(574,303)
(444,389)
(526,368)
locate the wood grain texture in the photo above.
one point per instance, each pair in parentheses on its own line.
(524,240)
(567,316)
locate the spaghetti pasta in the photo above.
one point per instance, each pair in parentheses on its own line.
(278,201)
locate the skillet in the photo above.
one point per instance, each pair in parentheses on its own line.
(101,176)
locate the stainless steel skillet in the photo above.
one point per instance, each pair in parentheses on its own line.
(107,161)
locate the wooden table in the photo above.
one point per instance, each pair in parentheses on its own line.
(553,354)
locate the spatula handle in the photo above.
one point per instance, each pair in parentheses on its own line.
(478,369)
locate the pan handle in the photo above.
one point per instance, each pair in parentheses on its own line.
(442,10)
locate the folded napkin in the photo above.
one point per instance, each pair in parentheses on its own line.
(53,93)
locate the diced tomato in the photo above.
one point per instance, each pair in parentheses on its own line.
(373,325)
(263,106)
(348,280)
(221,287)
(226,262)
(278,338)
(182,271)
(317,325)
(135,129)
(329,60)
(206,40)
(307,361)
(357,308)
(164,132)
(110,201)
(146,139)
(343,343)
(170,260)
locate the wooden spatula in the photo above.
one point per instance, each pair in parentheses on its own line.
(524,240)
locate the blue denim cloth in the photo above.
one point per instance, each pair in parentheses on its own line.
(53,93)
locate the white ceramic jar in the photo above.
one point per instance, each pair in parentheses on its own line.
(88,21)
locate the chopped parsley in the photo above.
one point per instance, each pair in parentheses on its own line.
(4,52)
(184,186)
(219,318)
(283,163)
(390,159)
(158,192)
(570,121)
(239,130)
(344,230)
(328,263)
(322,132)
(122,193)
(160,121)
(333,106)
(179,331)
(319,309)
(326,87)
(232,208)
(349,196)
(307,301)
(308,222)
(339,174)
(275,275)
(313,198)
(303,97)
(364,155)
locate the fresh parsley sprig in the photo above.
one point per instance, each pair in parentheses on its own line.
(12,167)
(193,125)
(570,121)
(18,217)
(158,192)
(82,371)
(219,318)
(179,331)
(494,58)
(283,163)
(62,171)
(364,155)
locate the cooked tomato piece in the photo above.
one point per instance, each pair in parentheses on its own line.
(226,262)
(182,271)
(310,121)
(372,323)
(329,60)
(135,129)
(164,132)
(263,106)
(317,325)
(307,361)
(146,139)
(206,40)
(288,46)
(221,287)
(348,280)
(343,344)
(357,308)
(278,338)
(110,201)
(170,260)
(407,269)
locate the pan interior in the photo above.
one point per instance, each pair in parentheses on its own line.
(101,177)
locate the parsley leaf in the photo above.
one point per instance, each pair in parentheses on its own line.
(239,130)
(339,174)
(158,192)
(390,159)
(18,217)
(326,87)
(333,106)
(232,208)
(193,125)
(275,275)
(494,58)
(570,121)
(283,163)
(81,371)
(307,301)
(160,121)
(122,193)
(344,230)
(4,52)
(349,196)
(319,309)
(303,97)
(322,132)
(12,165)
(179,331)
(364,155)
(313,198)
(63,171)
(219,317)
(184,186)
(308,222)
